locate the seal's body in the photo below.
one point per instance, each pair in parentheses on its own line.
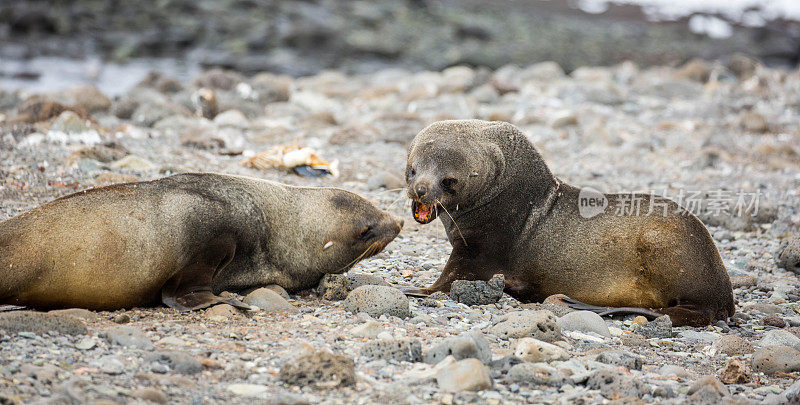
(183,239)
(504,212)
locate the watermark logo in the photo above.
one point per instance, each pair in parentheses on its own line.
(701,203)
(591,202)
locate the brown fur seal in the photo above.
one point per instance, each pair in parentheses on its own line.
(504,212)
(183,239)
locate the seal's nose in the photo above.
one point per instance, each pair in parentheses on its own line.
(421,190)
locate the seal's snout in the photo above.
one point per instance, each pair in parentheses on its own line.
(421,190)
(390,226)
(424,190)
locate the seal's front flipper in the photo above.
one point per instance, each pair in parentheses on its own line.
(607,311)
(189,288)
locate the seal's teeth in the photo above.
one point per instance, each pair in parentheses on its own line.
(423,213)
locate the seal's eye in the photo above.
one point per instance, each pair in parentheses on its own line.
(366,233)
(448,183)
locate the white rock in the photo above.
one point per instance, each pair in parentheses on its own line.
(780,337)
(248,390)
(584,321)
(232,118)
(368,329)
(563,119)
(86,343)
(533,350)
(464,375)
(583,336)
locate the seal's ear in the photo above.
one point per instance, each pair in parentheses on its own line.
(494,155)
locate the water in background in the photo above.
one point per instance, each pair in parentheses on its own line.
(473,43)
(50,73)
(714,18)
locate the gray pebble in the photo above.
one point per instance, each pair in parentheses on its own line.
(537,374)
(122,319)
(733,345)
(79,313)
(127,336)
(179,361)
(41,323)
(478,292)
(780,337)
(269,301)
(468,345)
(333,287)
(772,359)
(321,367)
(378,300)
(614,383)
(404,349)
(278,289)
(109,365)
(621,358)
(358,279)
(707,390)
(539,325)
(504,364)
(788,256)
(693,336)
(660,327)
(791,395)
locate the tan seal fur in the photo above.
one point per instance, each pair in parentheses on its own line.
(182,240)
(505,212)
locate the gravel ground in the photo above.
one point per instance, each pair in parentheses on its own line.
(715,129)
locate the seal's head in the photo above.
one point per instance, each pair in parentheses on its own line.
(348,229)
(455,165)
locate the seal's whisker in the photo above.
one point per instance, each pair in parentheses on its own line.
(357,259)
(389,190)
(400,197)
(438,204)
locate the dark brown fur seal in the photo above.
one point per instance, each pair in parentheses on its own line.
(504,212)
(182,240)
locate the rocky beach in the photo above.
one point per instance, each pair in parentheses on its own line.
(721,137)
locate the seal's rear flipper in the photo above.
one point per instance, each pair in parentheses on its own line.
(689,315)
(605,311)
(416,292)
(198,300)
(9,307)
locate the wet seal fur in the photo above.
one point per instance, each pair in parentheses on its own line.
(182,240)
(505,212)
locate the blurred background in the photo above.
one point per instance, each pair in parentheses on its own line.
(53,44)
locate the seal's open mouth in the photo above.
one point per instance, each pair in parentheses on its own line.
(423,213)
